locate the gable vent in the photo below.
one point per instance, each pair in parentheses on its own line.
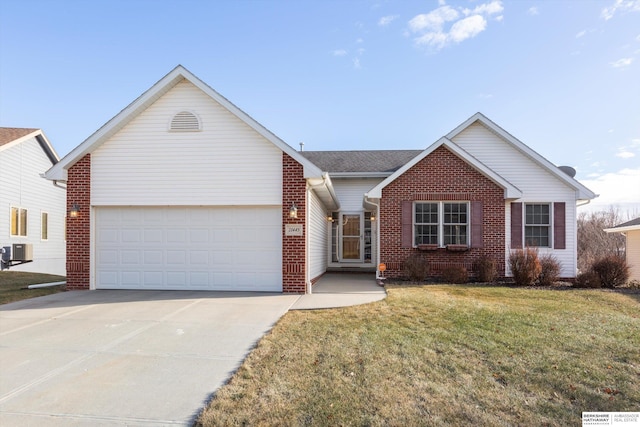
(185,121)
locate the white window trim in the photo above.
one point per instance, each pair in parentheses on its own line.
(549,226)
(11,207)
(441,224)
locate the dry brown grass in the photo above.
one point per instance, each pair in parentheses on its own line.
(13,282)
(443,355)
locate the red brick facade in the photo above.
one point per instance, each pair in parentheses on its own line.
(79,228)
(442,176)
(294,190)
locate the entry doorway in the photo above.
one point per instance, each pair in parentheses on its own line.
(351,238)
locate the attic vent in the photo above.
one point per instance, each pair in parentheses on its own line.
(185,121)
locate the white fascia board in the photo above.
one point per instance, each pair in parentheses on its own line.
(20,140)
(510,191)
(323,187)
(583,192)
(622,229)
(59,171)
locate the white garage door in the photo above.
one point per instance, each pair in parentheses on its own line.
(208,248)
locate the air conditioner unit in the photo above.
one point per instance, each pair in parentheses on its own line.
(22,252)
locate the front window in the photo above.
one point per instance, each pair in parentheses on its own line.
(455,223)
(537,224)
(18,222)
(441,223)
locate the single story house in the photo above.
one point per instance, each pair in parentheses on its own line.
(32,209)
(631,231)
(183,190)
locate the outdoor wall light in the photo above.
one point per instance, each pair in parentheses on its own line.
(373,217)
(330,218)
(293,211)
(75,210)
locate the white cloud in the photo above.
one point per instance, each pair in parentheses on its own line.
(467,28)
(620,6)
(621,63)
(386,20)
(615,189)
(533,11)
(623,153)
(360,40)
(356,63)
(581,33)
(339,52)
(434,20)
(430,28)
(635,142)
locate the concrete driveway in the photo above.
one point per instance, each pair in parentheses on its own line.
(125,357)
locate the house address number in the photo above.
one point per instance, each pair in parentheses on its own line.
(293,230)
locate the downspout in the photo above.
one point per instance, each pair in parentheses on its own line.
(307,217)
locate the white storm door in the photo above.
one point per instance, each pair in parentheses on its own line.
(351,242)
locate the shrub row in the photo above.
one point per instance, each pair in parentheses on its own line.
(417,269)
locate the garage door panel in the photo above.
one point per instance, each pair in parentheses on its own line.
(215,248)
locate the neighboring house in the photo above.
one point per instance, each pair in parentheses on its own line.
(631,231)
(32,209)
(183,190)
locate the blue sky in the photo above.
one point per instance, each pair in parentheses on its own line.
(561,76)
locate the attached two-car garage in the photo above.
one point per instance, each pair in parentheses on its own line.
(188,248)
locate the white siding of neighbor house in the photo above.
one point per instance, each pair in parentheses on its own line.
(226,163)
(350,191)
(318,237)
(633,254)
(21,186)
(536,183)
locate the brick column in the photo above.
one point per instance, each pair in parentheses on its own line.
(79,228)
(294,190)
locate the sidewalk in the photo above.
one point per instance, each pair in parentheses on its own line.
(341,290)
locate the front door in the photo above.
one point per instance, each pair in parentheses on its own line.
(351,237)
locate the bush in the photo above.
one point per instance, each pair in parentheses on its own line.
(455,274)
(549,270)
(525,266)
(588,279)
(416,268)
(487,269)
(633,284)
(612,270)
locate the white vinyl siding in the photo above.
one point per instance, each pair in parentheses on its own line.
(22,186)
(537,186)
(195,248)
(350,191)
(226,163)
(318,237)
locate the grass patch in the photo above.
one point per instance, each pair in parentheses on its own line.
(443,355)
(12,282)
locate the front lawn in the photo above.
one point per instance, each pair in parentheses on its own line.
(13,282)
(443,355)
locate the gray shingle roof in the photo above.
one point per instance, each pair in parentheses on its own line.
(629,223)
(360,161)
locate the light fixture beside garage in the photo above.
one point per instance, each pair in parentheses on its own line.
(75,211)
(293,211)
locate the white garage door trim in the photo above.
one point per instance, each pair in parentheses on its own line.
(189,248)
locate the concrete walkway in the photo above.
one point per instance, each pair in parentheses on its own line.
(341,290)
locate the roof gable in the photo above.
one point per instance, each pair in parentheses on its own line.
(10,137)
(634,224)
(510,191)
(583,192)
(178,74)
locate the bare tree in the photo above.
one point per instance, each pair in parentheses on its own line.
(593,242)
